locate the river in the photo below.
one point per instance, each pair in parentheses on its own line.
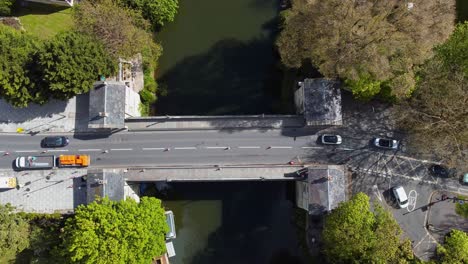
(219,58)
(233,222)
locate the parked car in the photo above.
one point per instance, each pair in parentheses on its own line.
(385,143)
(400,196)
(465,179)
(329,139)
(55,142)
(439,170)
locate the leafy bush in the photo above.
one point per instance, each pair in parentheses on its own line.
(462,209)
(71,63)
(158,12)
(116,232)
(14,232)
(6,7)
(19,84)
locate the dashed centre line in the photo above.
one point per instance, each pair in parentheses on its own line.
(154,148)
(89,150)
(281,147)
(217,147)
(57,150)
(184,148)
(121,149)
(21,151)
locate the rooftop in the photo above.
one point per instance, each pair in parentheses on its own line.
(107,105)
(102,183)
(327,188)
(319,100)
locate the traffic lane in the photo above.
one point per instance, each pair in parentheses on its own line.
(168,138)
(128,157)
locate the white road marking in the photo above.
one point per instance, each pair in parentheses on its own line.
(249,147)
(89,150)
(57,150)
(1,151)
(312,147)
(281,147)
(121,149)
(154,148)
(20,151)
(377,192)
(412,195)
(217,147)
(186,148)
(345,148)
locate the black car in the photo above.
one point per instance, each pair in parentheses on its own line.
(439,170)
(54,142)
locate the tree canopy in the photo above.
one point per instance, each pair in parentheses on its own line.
(158,12)
(372,45)
(437,111)
(6,6)
(71,62)
(116,232)
(123,31)
(355,234)
(455,249)
(14,232)
(17,80)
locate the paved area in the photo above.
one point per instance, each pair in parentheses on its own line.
(411,219)
(45,191)
(214,122)
(442,216)
(213,173)
(55,116)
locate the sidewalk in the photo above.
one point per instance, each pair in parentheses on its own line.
(55,116)
(45,191)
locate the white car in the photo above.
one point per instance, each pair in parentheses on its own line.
(329,139)
(400,196)
(385,143)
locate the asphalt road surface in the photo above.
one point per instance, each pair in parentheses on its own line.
(126,149)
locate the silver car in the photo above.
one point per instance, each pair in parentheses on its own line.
(385,143)
(329,139)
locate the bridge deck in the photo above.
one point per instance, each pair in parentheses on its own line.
(213,122)
(211,173)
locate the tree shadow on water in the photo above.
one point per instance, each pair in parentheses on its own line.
(231,78)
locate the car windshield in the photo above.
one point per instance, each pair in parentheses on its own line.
(385,143)
(56,141)
(332,139)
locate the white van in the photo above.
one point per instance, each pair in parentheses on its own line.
(400,196)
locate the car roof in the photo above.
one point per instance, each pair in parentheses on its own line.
(401,193)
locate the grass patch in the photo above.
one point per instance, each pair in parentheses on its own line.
(462,209)
(44,21)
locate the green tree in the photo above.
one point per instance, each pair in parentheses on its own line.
(455,249)
(123,31)
(6,6)
(116,232)
(355,234)
(17,81)
(14,232)
(158,12)
(71,62)
(437,111)
(370,44)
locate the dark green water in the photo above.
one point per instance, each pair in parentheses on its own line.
(219,58)
(233,222)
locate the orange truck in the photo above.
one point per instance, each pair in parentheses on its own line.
(74,161)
